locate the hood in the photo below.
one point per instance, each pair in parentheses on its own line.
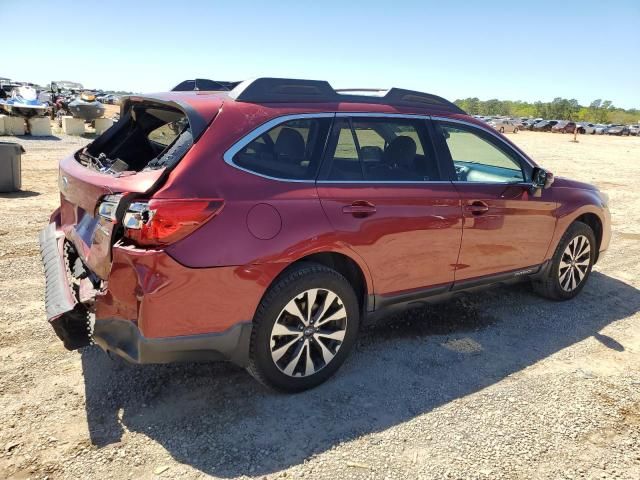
(562,182)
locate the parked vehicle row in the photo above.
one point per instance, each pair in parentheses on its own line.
(513,125)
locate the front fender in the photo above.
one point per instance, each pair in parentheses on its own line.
(572,204)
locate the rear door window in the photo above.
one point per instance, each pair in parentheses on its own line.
(381,150)
(288,151)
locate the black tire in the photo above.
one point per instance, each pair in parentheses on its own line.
(262,365)
(515,130)
(549,285)
(501,129)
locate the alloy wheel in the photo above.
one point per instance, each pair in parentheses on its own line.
(308,332)
(574,263)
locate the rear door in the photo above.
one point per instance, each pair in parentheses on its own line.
(506,227)
(383,191)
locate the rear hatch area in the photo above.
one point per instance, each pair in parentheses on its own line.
(97,183)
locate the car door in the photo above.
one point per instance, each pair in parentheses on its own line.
(507,227)
(384,193)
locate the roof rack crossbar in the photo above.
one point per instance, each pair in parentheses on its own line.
(278,90)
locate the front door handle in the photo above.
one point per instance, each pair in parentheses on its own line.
(477,207)
(360,209)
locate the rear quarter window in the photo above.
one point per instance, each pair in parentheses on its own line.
(289,151)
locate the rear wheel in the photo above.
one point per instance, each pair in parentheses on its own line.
(501,129)
(304,328)
(571,264)
(515,130)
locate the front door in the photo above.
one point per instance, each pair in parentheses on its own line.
(506,226)
(383,191)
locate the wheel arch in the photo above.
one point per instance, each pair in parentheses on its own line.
(353,270)
(593,221)
(587,216)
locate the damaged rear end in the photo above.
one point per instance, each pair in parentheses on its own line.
(106,197)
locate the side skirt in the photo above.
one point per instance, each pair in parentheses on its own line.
(385,304)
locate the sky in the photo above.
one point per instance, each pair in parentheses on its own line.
(523,50)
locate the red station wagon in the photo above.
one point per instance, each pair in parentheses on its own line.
(262,225)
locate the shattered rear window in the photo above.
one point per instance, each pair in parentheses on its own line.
(148,137)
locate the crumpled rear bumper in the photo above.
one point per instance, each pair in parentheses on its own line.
(69,319)
(72,322)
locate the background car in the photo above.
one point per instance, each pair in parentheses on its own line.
(564,127)
(634,130)
(528,124)
(504,125)
(600,129)
(544,125)
(618,130)
(586,128)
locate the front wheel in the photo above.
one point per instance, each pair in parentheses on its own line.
(515,130)
(501,129)
(305,327)
(571,264)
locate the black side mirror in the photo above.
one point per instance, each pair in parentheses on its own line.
(541,178)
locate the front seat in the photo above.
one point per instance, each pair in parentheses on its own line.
(401,152)
(397,161)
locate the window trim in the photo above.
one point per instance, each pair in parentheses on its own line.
(525,165)
(430,133)
(261,130)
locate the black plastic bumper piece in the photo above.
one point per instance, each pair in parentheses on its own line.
(69,319)
(125,340)
(58,296)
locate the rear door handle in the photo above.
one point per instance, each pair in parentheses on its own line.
(360,209)
(477,207)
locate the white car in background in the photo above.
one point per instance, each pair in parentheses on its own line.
(601,129)
(634,130)
(587,128)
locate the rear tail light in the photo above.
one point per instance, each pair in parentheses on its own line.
(158,222)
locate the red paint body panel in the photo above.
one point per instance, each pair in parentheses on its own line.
(513,233)
(411,241)
(167,299)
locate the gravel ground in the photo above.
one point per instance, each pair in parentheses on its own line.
(501,384)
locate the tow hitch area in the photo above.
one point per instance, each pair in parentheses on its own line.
(70,320)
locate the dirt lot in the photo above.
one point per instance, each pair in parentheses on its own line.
(495,385)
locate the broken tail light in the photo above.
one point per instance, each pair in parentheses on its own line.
(158,222)
(108,207)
